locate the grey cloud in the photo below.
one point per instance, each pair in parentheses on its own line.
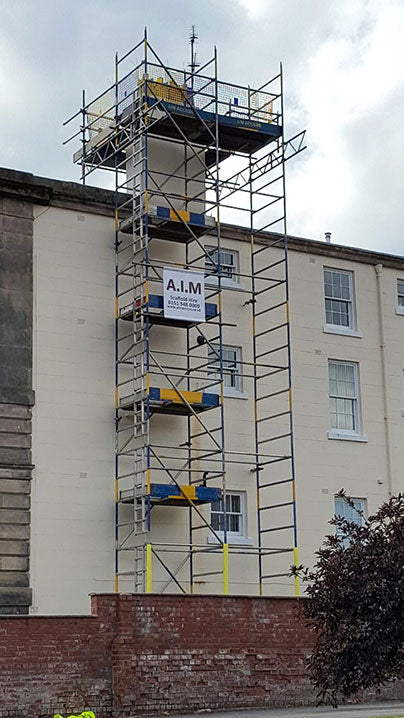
(376,211)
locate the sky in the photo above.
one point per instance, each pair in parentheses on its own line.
(344,83)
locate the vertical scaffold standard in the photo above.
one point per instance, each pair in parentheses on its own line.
(184,150)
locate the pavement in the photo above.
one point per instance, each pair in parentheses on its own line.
(362,710)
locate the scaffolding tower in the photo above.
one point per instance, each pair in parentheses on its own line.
(185,149)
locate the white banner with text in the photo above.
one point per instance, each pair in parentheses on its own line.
(184,295)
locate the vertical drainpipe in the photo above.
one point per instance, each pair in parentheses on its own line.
(386,402)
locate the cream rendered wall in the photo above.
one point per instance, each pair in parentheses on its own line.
(73,440)
(324,465)
(74,413)
(167,174)
(394,337)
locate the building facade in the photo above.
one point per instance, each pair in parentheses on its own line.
(56,472)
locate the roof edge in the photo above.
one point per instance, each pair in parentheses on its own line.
(73,195)
(45,191)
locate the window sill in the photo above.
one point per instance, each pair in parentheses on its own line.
(400,310)
(339,435)
(235,395)
(344,331)
(226,284)
(233,541)
(229,393)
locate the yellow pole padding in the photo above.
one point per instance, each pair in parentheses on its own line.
(148,568)
(297,579)
(226,569)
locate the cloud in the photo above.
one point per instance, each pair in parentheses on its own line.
(255,8)
(344,81)
(347,95)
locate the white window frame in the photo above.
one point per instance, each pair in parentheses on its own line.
(362,507)
(351,329)
(400,294)
(349,434)
(230,282)
(235,392)
(235,537)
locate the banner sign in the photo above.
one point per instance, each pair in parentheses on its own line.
(184,295)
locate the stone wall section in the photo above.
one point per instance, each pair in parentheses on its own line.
(16,400)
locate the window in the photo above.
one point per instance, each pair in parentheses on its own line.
(231,368)
(235,515)
(228,260)
(350,513)
(338,293)
(344,397)
(400,296)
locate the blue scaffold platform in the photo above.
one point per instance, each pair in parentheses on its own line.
(175,225)
(154,310)
(178,495)
(170,401)
(173,495)
(237,133)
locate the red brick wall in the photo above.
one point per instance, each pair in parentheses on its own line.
(56,664)
(189,653)
(152,654)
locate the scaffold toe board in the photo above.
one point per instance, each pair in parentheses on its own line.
(175,225)
(154,310)
(172,495)
(171,401)
(239,133)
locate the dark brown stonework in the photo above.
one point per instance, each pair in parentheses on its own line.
(16,399)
